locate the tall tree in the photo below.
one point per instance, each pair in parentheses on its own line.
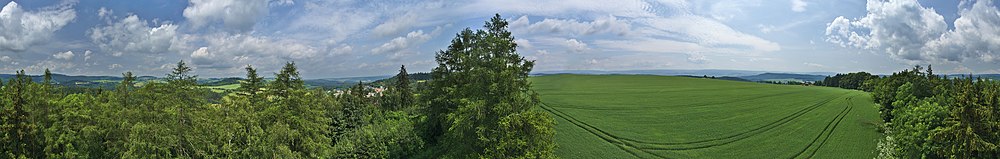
(184,85)
(125,87)
(181,76)
(252,84)
(47,77)
(286,80)
(19,138)
(482,98)
(404,93)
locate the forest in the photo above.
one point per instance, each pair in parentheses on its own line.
(477,105)
(932,116)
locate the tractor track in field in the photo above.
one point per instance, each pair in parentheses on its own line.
(622,142)
(840,117)
(688,105)
(731,138)
(599,133)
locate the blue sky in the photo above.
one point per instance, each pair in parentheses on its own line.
(343,38)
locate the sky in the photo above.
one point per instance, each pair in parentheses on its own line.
(345,38)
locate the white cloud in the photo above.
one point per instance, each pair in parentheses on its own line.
(53,65)
(397,24)
(343,49)
(104,12)
(259,46)
(86,55)
(68,55)
(397,45)
(202,57)
(239,15)
(706,32)
(576,46)
(524,44)
(134,35)
(20,29)
(976,35)
(603,24)
(906,30)
(697,58)
(624,8)
(799,5)
(814,65)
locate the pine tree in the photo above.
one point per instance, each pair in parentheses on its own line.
(286,80)
(48,77)
(123,88)
(252,84)
(404,93)
(181,77)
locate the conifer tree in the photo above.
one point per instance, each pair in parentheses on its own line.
(252,83)
(404,93)
(47,78)
(481,98)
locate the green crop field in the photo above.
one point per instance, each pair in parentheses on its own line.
(222,88)
(639,116)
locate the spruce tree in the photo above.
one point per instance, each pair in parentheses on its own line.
(481,98)
(181,76)
(404,93)
(47,78)
(286,80)
(252,84)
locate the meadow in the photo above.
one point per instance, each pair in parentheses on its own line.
(644,116)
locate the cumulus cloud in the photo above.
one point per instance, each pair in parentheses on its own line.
(20,29)
(134,35)
(906,30)
(976,35)
(239,15)
(799,5)
(202,56)
(399,44)
(576,46)
(68,55)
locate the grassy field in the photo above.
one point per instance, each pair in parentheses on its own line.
(222,88)
(637,116)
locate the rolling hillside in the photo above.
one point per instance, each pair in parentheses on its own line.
(639,116)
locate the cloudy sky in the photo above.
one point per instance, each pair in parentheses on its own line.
(344,38)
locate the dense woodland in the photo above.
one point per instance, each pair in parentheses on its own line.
(477,105)
(932,116)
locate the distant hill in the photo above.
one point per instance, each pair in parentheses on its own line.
(784,77)
(721,78)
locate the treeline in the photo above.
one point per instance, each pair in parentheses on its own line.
(931,116)
(848,81)
(477,105)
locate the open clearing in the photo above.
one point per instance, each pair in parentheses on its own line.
(640,116)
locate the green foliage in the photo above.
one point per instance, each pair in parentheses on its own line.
(848,81)
(483,94)
(480,93)
(933,117)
